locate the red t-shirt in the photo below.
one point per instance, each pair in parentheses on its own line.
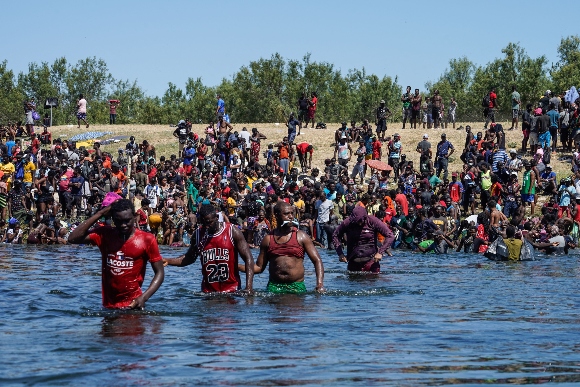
(454,191)
(123,264)
(35,145)
(492,98)
(402,201)
(142,217)
(219,262)
(301,148)
(376,149)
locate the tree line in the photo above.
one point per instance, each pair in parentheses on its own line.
(267,90)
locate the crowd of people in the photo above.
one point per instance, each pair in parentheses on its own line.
(223,194)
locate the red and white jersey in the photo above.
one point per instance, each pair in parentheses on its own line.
(219,262)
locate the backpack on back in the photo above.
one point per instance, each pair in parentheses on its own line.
(486,100)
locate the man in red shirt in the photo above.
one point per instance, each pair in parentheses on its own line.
(35,144)
(377,151)
(491,108)
(402,201)
(218,245)
(302,149)
(125,251)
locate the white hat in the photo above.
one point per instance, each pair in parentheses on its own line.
(513,151)
(425,135)
(343,136)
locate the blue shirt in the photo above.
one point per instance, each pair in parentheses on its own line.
(188,155)
(369,145)
(221,106)
(292,125)
(554,118)
(443,148)
(499,156)
(9,145)
(77,191)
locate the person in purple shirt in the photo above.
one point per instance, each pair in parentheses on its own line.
(361,232)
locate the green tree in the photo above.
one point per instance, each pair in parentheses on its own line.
(566,72)
(11,97)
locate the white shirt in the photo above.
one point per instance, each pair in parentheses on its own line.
(324,208)
(82,104)
(246,136)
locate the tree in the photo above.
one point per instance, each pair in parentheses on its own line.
(566,72)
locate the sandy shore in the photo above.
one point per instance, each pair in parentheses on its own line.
(322,139)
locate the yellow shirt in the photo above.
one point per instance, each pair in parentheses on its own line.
(299,204)
(28,172)
(251,181)
(231,206)
(514,247)
(8,168)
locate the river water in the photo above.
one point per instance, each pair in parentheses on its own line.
(426,320)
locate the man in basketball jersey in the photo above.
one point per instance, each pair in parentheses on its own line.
(218,245)
(284,249)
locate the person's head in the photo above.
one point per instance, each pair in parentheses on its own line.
(510,231)
(513,87)
(123,216)
(382,102)
(416,91)
(408,89)
(81,96)
(208,218)
(443,137)
(283,212)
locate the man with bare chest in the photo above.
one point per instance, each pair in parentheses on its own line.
(223,127)
(437,101)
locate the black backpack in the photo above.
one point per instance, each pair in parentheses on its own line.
(486,100)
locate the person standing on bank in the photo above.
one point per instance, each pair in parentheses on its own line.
(82,111)
(382,114)
(284,249)
(303,104)
(125,251)
(515,107)
(491,107)
(406,99)
(221,106)
(291,125)
(113,104)
(437,101)
(444,151)
(361,232)
(218,244)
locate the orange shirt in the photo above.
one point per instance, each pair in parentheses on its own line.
(121,178)
(283,151)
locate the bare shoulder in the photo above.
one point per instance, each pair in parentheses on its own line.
(302,237)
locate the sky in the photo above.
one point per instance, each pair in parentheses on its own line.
(157,42)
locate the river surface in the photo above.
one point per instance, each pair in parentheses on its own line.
(425,320)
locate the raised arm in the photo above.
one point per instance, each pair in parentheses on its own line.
(80,235)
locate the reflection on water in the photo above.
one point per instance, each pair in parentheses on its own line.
(425,320)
